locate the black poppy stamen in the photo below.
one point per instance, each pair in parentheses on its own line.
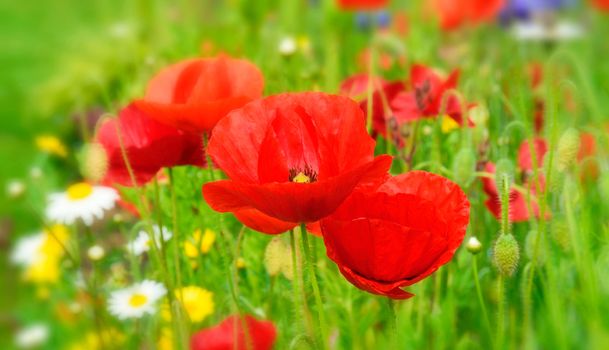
(306,175)
(422,94)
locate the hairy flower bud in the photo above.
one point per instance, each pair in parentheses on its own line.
(504,169)
(560,234)
(506,254)
(464,166)
(93,162)
(568,146)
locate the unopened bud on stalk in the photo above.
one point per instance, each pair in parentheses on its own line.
(568,146)
(93,162)
(506,254)
(96,253)
(464,166)
(473,245)
(479,115)
(504,170)
(274,256)
(560,234)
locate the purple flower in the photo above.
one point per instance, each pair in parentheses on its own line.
(523,9)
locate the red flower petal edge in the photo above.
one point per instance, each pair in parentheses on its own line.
(399,234)
(260,335)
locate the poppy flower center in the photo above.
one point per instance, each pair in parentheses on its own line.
(421,94)
(137,300)
(79,191)
(305,176)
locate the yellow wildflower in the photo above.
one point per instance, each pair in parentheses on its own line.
(199,243)
(52,145)
(197,302)
(449,124)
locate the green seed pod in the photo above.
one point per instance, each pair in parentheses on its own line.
(568,146)
(529,247)
(464,167)
(506,254)
(560,234)
(275,256)
(479,114)
(557,179)
(93,162)
(504,168)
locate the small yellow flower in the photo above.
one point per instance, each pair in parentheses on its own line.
(166,340)
(448,124)
(204,241)
(52,145)
(197,302)
(43,266)
(110,339)
(240,263)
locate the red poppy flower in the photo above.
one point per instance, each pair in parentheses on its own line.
(362,5)
(427,96)
(149,145)
(193,95)
(457,13)
(519,206)
(399,234)
(383,92)
(292,157)
(587,150)
(261,335)
(602,5)
(525,159)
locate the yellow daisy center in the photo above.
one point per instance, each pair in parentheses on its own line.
(301,178)
(79,191)
(138,300)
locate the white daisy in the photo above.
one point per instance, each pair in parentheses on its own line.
(142,242)
(137,300)
(287,46)
(81,201)
(538,31)
(27,250)
(32,336)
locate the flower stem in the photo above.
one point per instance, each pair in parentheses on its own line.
(393,323)
(298,292)
(480,298)
(310,265)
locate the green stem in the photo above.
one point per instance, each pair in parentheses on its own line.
(310,264)
(393,321)
(500,311)
(480,298)
(298,292)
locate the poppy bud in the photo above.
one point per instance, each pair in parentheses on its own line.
(568,147)
(473,245)
(93,162)
(506,254)
(479,115)
(560,234)
(504,170)
(534,247)
(557,178)
(274,255)
(464,166)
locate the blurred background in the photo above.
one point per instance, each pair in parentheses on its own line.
(66,63)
